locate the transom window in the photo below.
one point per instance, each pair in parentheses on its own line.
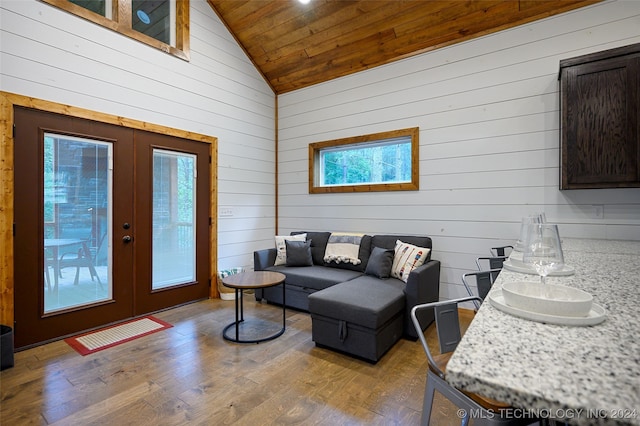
(163,24)
(385,161)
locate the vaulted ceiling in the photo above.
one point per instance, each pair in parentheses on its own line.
(296,45)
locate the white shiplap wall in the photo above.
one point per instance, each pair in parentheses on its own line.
(488,113)
(49,54)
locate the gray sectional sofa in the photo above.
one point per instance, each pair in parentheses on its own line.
(353,310)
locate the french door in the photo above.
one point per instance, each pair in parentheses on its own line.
(110,223)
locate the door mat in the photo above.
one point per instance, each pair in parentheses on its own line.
(114,335)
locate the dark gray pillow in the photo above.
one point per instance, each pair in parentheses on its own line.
(299,253)
(380,262)
(318,244)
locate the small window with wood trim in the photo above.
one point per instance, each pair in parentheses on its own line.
(163,24)
(386,161)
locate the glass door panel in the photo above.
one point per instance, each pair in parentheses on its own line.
(77,220)
(172,231)
(174,219)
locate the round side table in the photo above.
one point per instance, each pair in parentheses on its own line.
(251,280)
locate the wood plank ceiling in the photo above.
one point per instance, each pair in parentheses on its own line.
(296,45)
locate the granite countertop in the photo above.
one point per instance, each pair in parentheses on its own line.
(588,375)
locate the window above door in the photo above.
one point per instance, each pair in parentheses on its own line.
(162,24)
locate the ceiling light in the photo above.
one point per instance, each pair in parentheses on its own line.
(304,1)
(143,17)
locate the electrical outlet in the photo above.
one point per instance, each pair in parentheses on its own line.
(226,212)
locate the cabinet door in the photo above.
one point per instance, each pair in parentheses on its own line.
(600,134)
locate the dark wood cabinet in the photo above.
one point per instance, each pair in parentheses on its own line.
(600,129)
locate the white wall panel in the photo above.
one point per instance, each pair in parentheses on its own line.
(49,54)
(488,112)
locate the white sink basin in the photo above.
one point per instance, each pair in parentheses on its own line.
(547,299)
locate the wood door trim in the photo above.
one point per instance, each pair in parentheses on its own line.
(7,103)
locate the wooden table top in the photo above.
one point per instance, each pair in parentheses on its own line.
(253,279)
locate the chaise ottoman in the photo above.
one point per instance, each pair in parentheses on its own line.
(362,317)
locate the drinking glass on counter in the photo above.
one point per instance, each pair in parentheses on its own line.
(526,221)
(543,249)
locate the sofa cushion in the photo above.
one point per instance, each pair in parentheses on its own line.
(366,301)
(318,244)
(281,247)
(389,241)
(299,253)
(407,257)
(316,277)
(363,255)
(380,262)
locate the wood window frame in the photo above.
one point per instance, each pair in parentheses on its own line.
(317,147)
(121,23)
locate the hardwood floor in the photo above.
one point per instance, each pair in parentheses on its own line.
(189,375)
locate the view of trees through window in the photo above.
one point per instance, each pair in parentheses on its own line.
(76,183)
(174,215)
(388,161)
(75,187)
(385,161)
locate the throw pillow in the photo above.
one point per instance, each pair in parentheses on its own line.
(380,262)
(281,248)
(299,253)
(406,258)
(363,255)
(318,244)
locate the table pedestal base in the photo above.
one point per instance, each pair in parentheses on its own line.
(232,332)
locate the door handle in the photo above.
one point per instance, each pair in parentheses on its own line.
(127,238)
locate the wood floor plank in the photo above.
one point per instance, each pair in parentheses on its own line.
(190,374)
(105,408)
